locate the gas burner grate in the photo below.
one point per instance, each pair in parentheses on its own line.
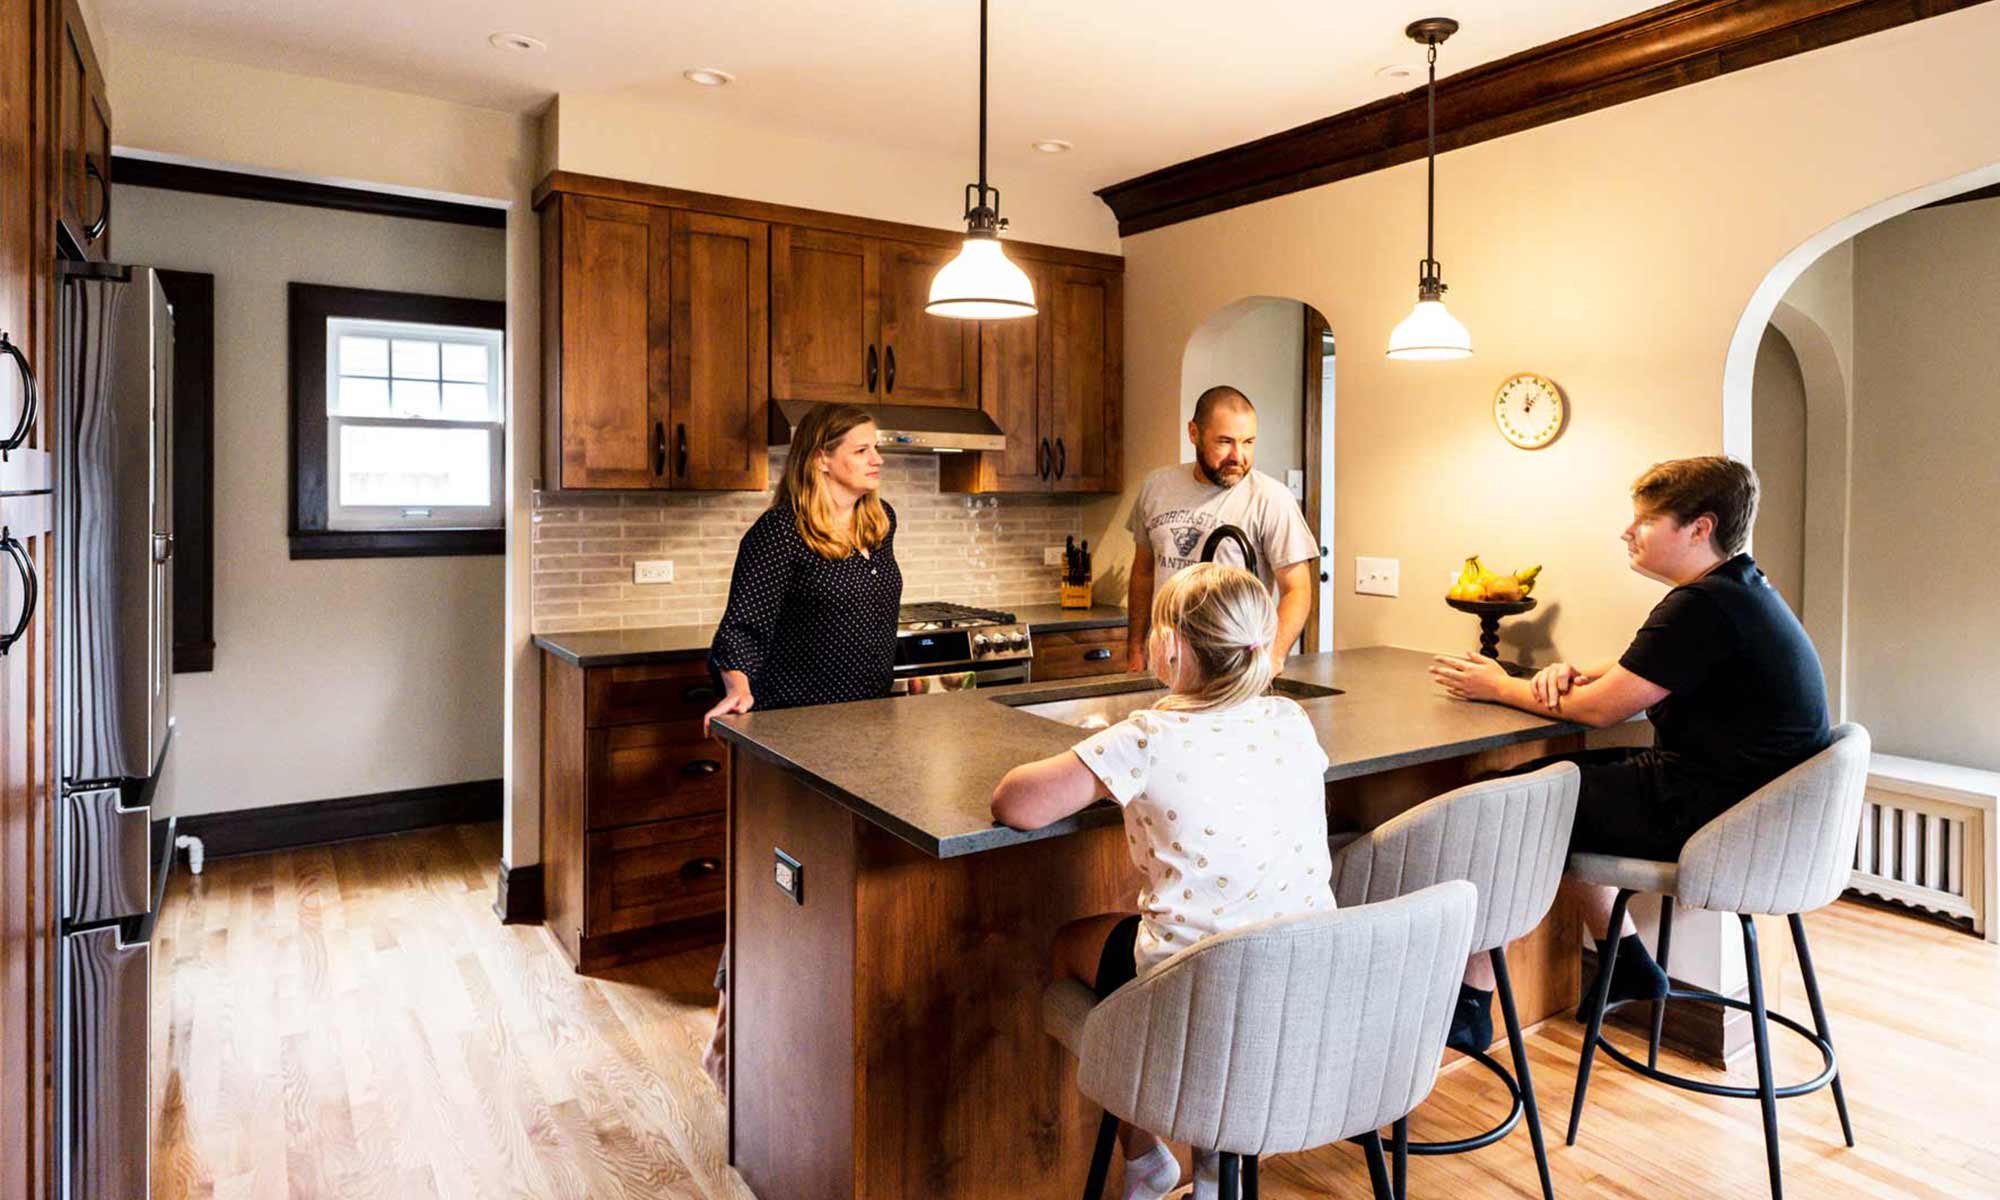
(939,613)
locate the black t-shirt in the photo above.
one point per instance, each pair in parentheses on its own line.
(1746,699)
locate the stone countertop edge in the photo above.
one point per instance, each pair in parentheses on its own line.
(1053,618)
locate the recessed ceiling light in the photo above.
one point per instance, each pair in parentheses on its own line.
(707,76)
(516,41)
(1053,146)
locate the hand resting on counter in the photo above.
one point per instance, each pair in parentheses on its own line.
(736,698)
(1598,698)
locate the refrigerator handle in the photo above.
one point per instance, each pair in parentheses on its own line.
(29,400)
(30,589)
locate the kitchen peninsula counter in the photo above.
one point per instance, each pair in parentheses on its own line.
(889,942)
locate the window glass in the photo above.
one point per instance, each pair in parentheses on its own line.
(414,466)
(414,359)
(465,362)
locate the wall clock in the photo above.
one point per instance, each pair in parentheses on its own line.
(1530,410)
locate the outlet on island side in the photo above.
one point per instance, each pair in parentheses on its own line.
(789,874)
(654,571)
(1376,576)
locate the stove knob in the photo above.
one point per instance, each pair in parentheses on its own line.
(1018,640)
(978,643)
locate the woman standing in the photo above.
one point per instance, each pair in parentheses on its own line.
(814,597)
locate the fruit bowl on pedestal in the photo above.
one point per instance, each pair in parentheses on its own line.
(1489,613)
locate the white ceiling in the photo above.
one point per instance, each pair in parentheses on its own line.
(1135,84)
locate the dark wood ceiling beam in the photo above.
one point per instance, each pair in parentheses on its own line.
(1671,46)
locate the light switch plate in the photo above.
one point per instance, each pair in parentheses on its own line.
(1052,556)
(1377,576)
(655,571)
(1295,482)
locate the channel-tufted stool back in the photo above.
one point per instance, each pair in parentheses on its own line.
(1280,1036)
(1508,837)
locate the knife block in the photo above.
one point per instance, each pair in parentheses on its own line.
(1076,595)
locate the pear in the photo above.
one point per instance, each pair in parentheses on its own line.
(1503,587)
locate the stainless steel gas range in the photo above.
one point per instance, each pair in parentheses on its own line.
(942,647)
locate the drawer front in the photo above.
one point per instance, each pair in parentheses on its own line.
(653,772)
(651,874)
(1079,652)
(653,692)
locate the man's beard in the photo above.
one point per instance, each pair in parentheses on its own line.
(1214,474)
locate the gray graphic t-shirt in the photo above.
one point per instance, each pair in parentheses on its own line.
(1177,509)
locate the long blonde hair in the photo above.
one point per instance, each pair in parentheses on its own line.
(1221,621)
(803,488)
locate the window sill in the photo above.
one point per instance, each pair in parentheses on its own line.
(397,543)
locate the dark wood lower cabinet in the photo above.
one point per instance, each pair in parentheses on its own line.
(633,835)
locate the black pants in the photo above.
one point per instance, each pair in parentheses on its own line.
(1638,802)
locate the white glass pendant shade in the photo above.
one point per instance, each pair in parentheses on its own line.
(1430,333)
(981,284)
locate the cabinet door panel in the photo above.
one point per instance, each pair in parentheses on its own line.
(1075,653)
(650,874)
(614,344)
(1013,385)
(82,138)
(825,316)
(721,337)
(1087,366)
(642,773)
(935,360)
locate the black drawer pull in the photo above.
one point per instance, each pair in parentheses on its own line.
(701,868)
(1062,459)
(1097,655)
(16,439)
(701,768)
(888,370)
(874,368)
(700,693)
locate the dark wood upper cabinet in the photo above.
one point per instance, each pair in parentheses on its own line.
(925,359)
(607,408)
(719,379)
(82,141)
(826,318)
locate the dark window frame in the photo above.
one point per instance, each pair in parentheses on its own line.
(310,306)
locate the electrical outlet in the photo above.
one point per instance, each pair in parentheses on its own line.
(656,571)
(1376,576)
(1052,556)
(789,874)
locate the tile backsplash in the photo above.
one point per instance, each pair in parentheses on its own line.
(984,550)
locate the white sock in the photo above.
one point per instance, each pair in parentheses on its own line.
(1207,1174)
(1151,1175)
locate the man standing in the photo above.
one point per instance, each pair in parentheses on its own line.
(1181,507)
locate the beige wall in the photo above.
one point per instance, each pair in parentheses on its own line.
(1779,409)
(335,677)
(1617,252)
(604,135)
(1256,347)
(1924,624)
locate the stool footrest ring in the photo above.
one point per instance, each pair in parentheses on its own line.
(1480,1140)
(1700,996)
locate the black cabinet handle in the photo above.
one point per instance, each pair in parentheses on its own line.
(1062,459)
(1098,655)
(701,768)
(681,451)
(889,370)
(29,401)
(98,226)
(659,448)
(700,693)
(1044,459)
(871,370)
(701,868)
(30,589)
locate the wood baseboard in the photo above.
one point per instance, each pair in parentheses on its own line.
(1707,1033)
(517,898)
(318,822)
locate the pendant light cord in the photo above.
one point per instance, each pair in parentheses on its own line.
(1430,146)
(982,101)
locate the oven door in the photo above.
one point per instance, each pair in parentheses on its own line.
(935,680)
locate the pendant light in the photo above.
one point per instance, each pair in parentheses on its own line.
(1430,331)
(981,284)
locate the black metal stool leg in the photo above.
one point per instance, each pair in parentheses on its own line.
(1660,1005)
(1228,1178)
(1760,1032)
(1505,986)
(1100,1159)
(1378,1171)
(1819,1020)
(1597,1003)
(1399,1157)
(1249,1177)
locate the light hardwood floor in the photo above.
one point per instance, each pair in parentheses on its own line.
(353,1021)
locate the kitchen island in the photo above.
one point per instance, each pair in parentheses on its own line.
(890,942)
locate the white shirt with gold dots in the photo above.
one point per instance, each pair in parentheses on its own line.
(1225,812)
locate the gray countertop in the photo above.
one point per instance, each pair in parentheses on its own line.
(624,647)
(924,767)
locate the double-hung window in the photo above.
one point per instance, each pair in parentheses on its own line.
(399,424)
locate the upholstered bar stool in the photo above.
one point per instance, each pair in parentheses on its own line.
(1783,851)
(1509,838)
(1280,1036)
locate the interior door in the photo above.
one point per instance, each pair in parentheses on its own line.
(825,317)
(721,337)
(1013,387)
(925,359)
(1086,395)
(614,306)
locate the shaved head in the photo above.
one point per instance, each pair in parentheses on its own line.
(1221,397)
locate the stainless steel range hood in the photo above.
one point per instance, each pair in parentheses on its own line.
(906,427)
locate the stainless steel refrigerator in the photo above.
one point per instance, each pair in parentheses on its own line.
(113,595)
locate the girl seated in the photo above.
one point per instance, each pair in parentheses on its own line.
(1224,799)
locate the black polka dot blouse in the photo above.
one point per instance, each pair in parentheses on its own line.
(807,629)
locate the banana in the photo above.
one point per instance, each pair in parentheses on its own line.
(1526,578)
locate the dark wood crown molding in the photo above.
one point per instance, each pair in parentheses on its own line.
(241,185)
(1655,51)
